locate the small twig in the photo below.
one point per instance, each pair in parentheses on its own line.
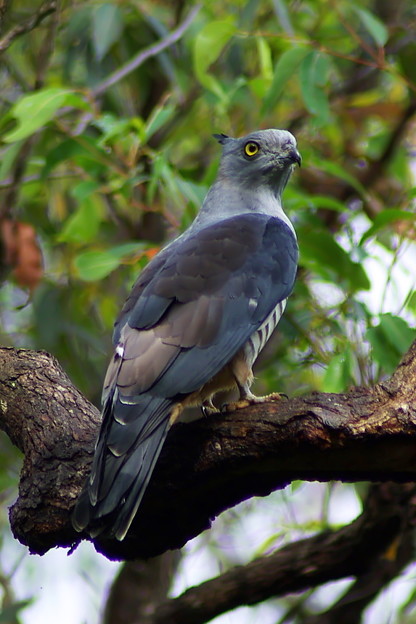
(135,62)
(361,42)
(142,56)
(20,29)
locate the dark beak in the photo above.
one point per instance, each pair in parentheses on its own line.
(295,157)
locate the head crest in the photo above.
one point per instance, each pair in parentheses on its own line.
(221,138)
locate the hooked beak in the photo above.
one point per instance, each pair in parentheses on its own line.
(295,157)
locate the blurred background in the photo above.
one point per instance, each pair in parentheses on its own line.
(106,116)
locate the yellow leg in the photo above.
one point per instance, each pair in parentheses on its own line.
(248,398)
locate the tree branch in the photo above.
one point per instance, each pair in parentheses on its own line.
(355,550)
(206,466)
(34,20)
(139,587)
(143,55)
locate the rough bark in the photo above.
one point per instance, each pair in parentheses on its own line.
(55,427)
(206,466)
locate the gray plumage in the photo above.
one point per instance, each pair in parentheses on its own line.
(194,323)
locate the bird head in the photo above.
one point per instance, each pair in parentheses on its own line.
(262,158)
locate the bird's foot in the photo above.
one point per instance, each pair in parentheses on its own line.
(208,408)
(251,399)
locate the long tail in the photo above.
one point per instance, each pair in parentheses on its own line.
(129,444)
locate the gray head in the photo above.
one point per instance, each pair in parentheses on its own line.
(262,158)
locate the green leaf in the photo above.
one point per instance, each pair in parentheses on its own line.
(338,374)
(84,189)
(389,340)
(373,25)
(406,57)
(411,302)
(283,15)
(400,335)
(35,110)
(83,225)
(285,69)
(324,201)
(160,115)
(339,172)
(96,264)
(313,78)
(384,218)
(84,151)
(68,149)
(8,157)
(324,256)
(107,26)
(265,58)
(208,45)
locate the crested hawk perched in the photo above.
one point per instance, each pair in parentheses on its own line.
(194,323)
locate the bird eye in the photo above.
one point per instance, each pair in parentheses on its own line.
(251,148)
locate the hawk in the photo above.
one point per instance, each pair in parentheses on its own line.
(194,323)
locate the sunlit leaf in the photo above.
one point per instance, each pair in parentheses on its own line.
(208,45)
(338,374)
(84,189)
(37,109)
(82,226)
(96,264)
(265,58)
(313,78)
(112,126)
(160,115)
(411,302)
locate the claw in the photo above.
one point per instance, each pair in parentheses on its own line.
(208,408)
(251,399)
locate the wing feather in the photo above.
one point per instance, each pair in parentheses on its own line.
(193,307)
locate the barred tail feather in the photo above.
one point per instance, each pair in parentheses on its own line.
(150,450)
(130,441)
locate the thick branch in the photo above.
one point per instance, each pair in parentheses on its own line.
(206,466)
(54,426)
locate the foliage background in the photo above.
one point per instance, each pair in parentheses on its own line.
(106,152)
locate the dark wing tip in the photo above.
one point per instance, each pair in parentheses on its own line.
(221,138)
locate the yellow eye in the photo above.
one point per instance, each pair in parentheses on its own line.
(251,148)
